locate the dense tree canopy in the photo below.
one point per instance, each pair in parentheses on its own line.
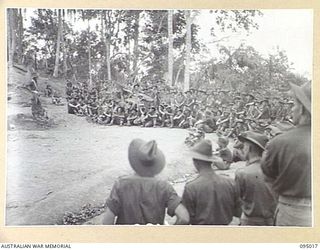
(134,45)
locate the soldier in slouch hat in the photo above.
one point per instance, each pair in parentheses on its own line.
(210,199)
(287,164)
(142,198)
(257,197)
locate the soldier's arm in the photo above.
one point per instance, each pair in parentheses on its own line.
(109,217)
(269,163)
(182,215)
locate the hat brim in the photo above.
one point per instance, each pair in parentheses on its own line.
(242,138)
(141,168)
(275,130)
(301,96)
(198,156)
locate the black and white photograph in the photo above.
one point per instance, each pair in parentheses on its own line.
(159,117)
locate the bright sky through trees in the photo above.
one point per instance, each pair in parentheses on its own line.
(290,30)
(286,29)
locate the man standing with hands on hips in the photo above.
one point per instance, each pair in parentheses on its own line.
(287,164)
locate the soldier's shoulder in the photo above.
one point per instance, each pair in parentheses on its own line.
(193,181)
(282,138)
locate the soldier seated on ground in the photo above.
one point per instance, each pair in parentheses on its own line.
(178,118)
(151,119)
(238,153)
(140,115)
(185,123)
(133,115)
(191,119)
(237,128)
(224,154)
(56,98)
(209,124)
(161,114)
(168,117)
(143,116)
(73,106)
(105,117)
(252,124)
(195,135)
(92,107)
(118,116)
(223,121)
(83,108)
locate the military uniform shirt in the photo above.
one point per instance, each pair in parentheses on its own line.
(257,198)
(142,200)
(211,199)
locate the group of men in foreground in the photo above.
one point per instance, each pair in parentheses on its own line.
(274,188)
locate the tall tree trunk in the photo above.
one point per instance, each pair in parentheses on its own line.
(20,36)
(64,48)
(102,34)
(130,62)
(46,63)
(56,65)
(102,31)
(107,45)
(136,40)
(89,54)
(188,52)
(270,70)
(65,65)
(35,61)
(102,26)
(9,38)
(177,76)
(170,48)
(12,35)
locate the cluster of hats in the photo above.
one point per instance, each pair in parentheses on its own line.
(279,127)
(148,160)
(203,150)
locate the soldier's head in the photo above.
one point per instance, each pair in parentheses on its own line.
(223,141)
(152,109)
(201,154)
(301,109)
(188,93)
(253,143)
